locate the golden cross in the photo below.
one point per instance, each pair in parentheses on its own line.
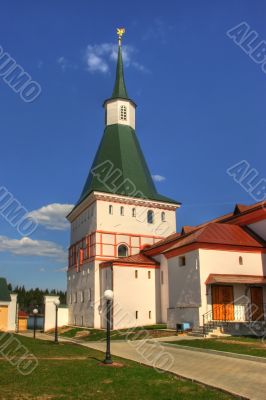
(120,32)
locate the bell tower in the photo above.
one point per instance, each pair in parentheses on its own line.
(119,108)
(119,211)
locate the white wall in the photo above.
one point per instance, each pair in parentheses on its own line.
(81,313)
(184,289)
(226,262)
(133,294)
(12,313)
(49,313)
(84,224)
(134,225)
(162,292)
(188,294)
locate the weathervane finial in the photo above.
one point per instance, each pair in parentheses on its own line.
(120,32)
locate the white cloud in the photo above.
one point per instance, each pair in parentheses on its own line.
(64,269)
(158,178)
(98,57)
(52,216)
(29,247)
(158,30)
(65,64)
(42,269)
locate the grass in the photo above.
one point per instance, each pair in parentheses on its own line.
(146,332)
(239,345)
(79,376)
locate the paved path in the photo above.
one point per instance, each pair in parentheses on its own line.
(241,377)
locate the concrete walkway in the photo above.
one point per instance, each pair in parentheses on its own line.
(240,377)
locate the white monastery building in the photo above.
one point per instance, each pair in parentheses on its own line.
(123,237)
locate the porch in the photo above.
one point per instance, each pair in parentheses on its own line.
(236,303)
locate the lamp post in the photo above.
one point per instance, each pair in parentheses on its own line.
(35,312)
(108,296)
(56,303)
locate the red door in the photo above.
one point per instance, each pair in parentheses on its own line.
(222,303)
(257,312)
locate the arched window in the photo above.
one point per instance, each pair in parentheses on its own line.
(150,217)
(110,209)
(123,113)
(163,216)
(122,250)
(122,210)
(240,260)
(133,212)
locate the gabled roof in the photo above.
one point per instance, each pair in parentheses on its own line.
(217,233)
(240,212)
(4,292)
(138,259)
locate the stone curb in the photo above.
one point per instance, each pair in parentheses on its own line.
(216,352)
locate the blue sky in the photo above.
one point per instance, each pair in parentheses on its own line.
(201,109)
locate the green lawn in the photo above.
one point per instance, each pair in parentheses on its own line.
(239,345)
(68,371)
(146,332)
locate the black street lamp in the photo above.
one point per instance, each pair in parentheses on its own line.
(108,295)
(35,312)
(56,303)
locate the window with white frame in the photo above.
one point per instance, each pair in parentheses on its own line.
(123,113)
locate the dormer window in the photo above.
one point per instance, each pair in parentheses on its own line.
(123,113)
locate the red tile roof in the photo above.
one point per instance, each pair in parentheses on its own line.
(135,259)
(22,314)
(215,233)
(240,209)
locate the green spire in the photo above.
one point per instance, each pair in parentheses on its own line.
(119,167)
(120,90)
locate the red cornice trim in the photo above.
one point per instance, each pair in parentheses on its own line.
(159,249)
(118,264)
(211,246)
(237,275)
